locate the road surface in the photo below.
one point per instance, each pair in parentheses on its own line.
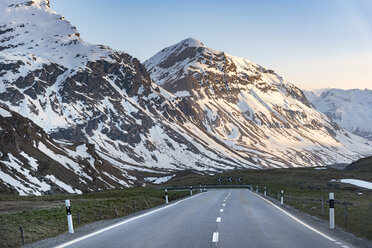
(225,218)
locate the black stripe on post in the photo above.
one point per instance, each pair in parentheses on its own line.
(331,203)
(68,210)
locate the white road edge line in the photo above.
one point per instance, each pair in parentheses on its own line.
(218,219)
(299,221)
(121,223)
(215,237)
(221,210)
(223,205)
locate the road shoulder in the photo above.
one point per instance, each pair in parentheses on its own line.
(322,225)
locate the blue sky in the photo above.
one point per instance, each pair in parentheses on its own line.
(311,43)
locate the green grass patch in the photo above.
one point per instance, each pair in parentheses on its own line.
(39,224)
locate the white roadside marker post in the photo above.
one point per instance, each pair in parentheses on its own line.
(200,188)
(190,190)
(69,217)
(166,196)
(281,197)
(256,189)
(331,211)
(265,191)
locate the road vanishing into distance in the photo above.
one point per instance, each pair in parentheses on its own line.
(225,218)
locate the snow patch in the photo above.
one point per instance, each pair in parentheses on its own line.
(356,182)
(5,113)
(159,180)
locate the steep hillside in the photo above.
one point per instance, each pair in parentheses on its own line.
(251,109)
(362,165)
(33,163)
(351,109)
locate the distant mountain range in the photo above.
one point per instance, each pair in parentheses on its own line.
(351,109)
(77,117)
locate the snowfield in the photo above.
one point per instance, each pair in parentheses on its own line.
(357,182)
(351,109)
(159,180)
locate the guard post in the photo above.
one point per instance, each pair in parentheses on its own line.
(331,211)
(166,196)
(69,217)
(281,197)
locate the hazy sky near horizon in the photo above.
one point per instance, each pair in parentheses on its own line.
(312,44)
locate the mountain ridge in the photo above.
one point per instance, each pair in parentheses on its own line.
(351,108)
(215,82)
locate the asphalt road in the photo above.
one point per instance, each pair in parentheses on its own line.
(217,218)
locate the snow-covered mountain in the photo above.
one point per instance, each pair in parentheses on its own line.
(251,109)
(81,92)
(106,121)
(351,109)
(33,163)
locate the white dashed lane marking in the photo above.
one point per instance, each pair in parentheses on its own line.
(215,237)
(218,220)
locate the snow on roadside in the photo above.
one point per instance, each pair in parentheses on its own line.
(356,182)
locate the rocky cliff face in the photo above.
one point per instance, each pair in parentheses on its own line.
(250,108)
(31,162)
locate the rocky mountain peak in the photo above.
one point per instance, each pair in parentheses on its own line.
(33,34)
(241,103)
(20,5)
(190,42)
(42,3)
(198,70)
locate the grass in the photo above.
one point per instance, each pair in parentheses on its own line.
(303,190)
(39,224)
(303,187)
